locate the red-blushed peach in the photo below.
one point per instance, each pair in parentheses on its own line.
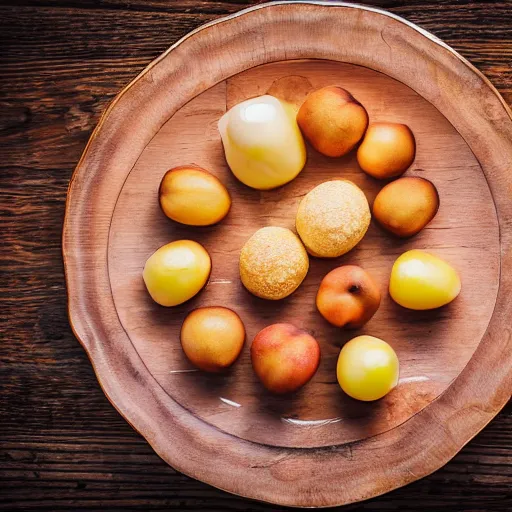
(387,150)
(212,338)
(284,357)
(332,120)
(348,297)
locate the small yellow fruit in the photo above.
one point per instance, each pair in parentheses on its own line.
(423,281)
(332,218)
(273,263)
(262,142)
(212,338)
(176,272)
(190,195)
(368,368)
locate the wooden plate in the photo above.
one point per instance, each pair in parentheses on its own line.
(318,447)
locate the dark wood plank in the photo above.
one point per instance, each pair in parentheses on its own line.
(64,447)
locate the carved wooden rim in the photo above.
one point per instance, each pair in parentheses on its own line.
(296,477)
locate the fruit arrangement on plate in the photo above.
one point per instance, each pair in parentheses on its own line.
(264,141)
(305,199)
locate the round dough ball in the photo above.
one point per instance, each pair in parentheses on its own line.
(273,263)
(333,218)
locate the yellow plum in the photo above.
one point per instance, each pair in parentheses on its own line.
(420,280)
(176,272)
(368,368)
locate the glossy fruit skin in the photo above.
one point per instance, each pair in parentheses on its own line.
(212,338)
(263,145)
(193,196)
(368,368)
(284,357)
(387,150)
(405,206)
(176,272)
(348,297)
(421,281)
(332,120)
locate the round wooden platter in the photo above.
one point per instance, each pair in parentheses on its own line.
(317,447)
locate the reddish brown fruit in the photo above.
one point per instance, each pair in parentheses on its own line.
(348,297)
(406,206)
(332,120)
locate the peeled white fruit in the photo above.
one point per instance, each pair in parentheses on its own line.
(263,144)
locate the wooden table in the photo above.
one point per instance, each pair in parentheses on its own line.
(63,446)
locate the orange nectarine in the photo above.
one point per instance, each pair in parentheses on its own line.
(212,338)
(284,357)
(348,297)
(387,150)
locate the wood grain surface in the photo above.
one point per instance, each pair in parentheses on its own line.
(63,445)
